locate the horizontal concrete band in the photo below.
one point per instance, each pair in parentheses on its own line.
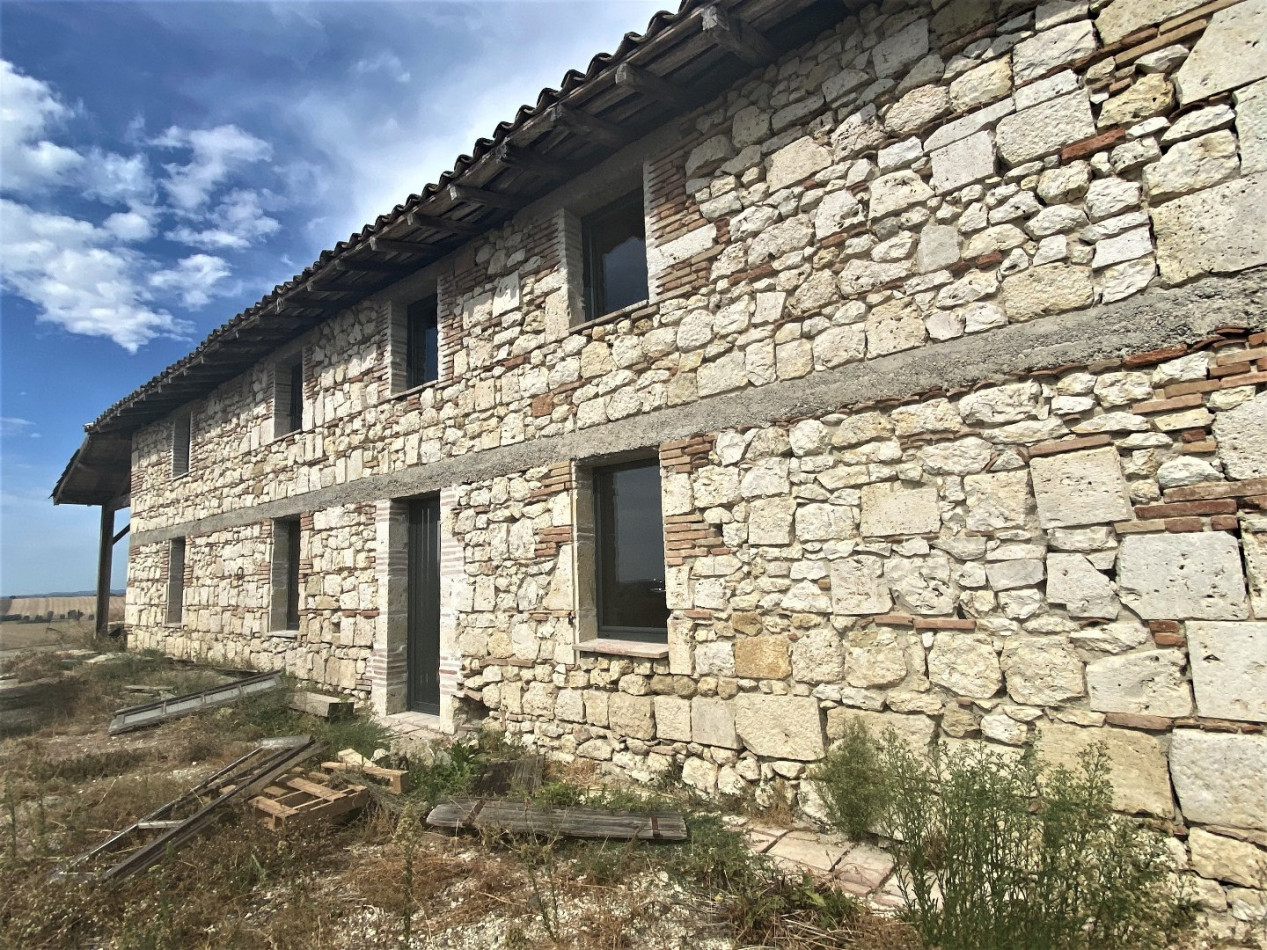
(1146,322)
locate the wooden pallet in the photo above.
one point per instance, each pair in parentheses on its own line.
(517,817)
(397,781)
(302,799)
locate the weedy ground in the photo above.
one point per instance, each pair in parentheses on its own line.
(378,880)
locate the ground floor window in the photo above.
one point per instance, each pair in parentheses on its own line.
(285,574)
(629,548)
(176,581)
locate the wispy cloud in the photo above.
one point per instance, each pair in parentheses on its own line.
(28,108)
(214,155)
(387,63)
(13,425)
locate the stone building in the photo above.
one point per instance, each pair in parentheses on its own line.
(798,361)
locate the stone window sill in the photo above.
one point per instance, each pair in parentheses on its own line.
(405,393)
(284,634)
(609,317)
(635,648)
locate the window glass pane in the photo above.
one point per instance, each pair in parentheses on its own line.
(630,550)
(296,409)
(616,256)
(422,344)
(292,575)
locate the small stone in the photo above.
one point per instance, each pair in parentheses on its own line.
(1124,247)
(1149,683)
(916,109)
(875,657)
(1200,122)
(997,500)
(982,84)
(1110,196)
(1162,60)
(1085,592)
(762,658)
(1042,671)
(901,50)
(836,212)
(1003,728)
(1185,470)
(894,326)
(1226,859)
(938,248)
(894,192)
(1009,575)
(1184,576)
(770,521)
(858,587)
(903,153)
(795,162)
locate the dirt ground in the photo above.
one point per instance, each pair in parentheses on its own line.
(380,879)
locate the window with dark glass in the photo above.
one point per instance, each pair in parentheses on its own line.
(629,542)
(422,343)
(285,575)
(288,397)
(615,240)
(176,580)
(295,404)
(182,437)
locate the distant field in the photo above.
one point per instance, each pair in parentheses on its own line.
(17,635)
(59,606)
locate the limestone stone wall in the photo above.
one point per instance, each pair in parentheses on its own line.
(1065,550)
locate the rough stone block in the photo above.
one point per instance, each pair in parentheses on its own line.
(713,722)
(770,521)
(902,49)
(963,162)
(875,656)
(1048,289)
(1045,51)
(716,658)
(795,162)
(1045,128)
(1121,18)
(1149,683)
(1009,575)
(1192,165)
(630,716)
(1241,434)
(1080,488)
(1220,230)
(1251,127)
(858,587)
(1219,777)
(780,727)
(762,658)
(1072,580)
(1230,53)
(1042,671)
(1136,761)
(1182,576)
(1229,669)
(966,664)
(1255,545)
(673,718)
(997,500)
(888,509)
(916,731)
(897,191)
(893,326)
(1227,859)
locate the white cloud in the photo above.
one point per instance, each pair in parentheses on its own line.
(216,154)
(118,179)
(129,226)
(12,425)
(237,222)
(81,282)
(28,108)
(385,62)
(194,280)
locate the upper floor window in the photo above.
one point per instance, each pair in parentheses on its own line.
(629,549)
(182,437)
(615,247)
(422,342)
(176,580)
(288,396)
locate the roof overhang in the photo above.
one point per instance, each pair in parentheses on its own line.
(682,61)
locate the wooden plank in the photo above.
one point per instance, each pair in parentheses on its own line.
(419,219)
(319,704)
(398,781)
(586,125)
(482,196)
(313,789)
(517,817)
(390,245)
(513,777)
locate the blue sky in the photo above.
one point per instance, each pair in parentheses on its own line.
(164,165)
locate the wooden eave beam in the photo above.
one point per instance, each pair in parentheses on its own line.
(520,159)
(640,80)
(482,196)
(389,245)
(418,219)
(328,285)
(585,125)
(731,33)
(360,266)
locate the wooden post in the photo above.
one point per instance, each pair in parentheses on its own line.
(105,554)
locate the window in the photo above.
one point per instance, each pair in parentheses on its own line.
(422,343)
(285,575)
(629,552)
(288,397)
(176,580)
(615,248)
(182,437)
